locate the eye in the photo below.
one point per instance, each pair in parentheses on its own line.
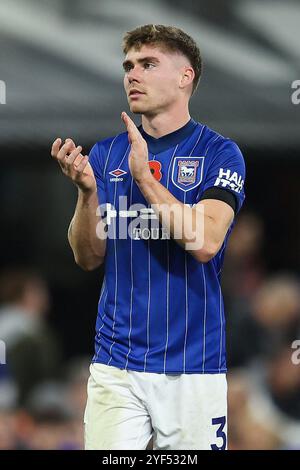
(148,65)
(127,67)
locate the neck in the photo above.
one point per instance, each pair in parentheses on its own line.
(164,123)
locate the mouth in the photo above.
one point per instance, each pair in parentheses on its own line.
(135,94)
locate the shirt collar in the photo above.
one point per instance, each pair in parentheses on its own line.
(169,140)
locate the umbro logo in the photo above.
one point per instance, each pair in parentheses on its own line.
(116,175)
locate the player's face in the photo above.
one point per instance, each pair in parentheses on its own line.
(152,79)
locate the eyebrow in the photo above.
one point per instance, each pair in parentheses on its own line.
(141,60)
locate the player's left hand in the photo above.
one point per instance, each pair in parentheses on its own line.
(138,156)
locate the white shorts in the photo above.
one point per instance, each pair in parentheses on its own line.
(125,409)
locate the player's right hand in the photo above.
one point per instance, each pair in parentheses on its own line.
(74,164)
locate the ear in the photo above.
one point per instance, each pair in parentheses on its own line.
(187,77)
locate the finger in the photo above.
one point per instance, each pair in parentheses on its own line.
(82,164)
(55,147)
(132,130)
(73,155)
(71,143)
(66,148)
(128,122)
(77,160)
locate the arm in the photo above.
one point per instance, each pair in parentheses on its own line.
(88,249)
(88,246)
(200,230)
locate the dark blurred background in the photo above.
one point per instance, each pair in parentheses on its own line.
(61,65)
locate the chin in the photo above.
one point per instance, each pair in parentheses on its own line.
(136,108)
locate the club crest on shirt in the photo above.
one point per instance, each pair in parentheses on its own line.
(187,172)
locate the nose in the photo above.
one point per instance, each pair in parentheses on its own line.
(133,75)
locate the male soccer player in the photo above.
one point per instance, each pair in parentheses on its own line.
(167,193)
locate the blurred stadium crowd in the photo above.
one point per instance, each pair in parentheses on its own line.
(42,396)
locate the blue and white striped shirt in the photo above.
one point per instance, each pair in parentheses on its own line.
(160,310)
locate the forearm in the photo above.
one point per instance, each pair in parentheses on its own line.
(86,232)
(198,232)
(189,227)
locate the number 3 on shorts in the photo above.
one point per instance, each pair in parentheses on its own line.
(219,433)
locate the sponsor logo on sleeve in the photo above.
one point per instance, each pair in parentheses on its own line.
(229,180)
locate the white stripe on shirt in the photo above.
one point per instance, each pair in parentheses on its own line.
(131,291)
(116,265)
(204,320)
(221,328)
(168,268)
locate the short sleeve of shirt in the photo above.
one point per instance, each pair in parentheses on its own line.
(96,164)
(226,170)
